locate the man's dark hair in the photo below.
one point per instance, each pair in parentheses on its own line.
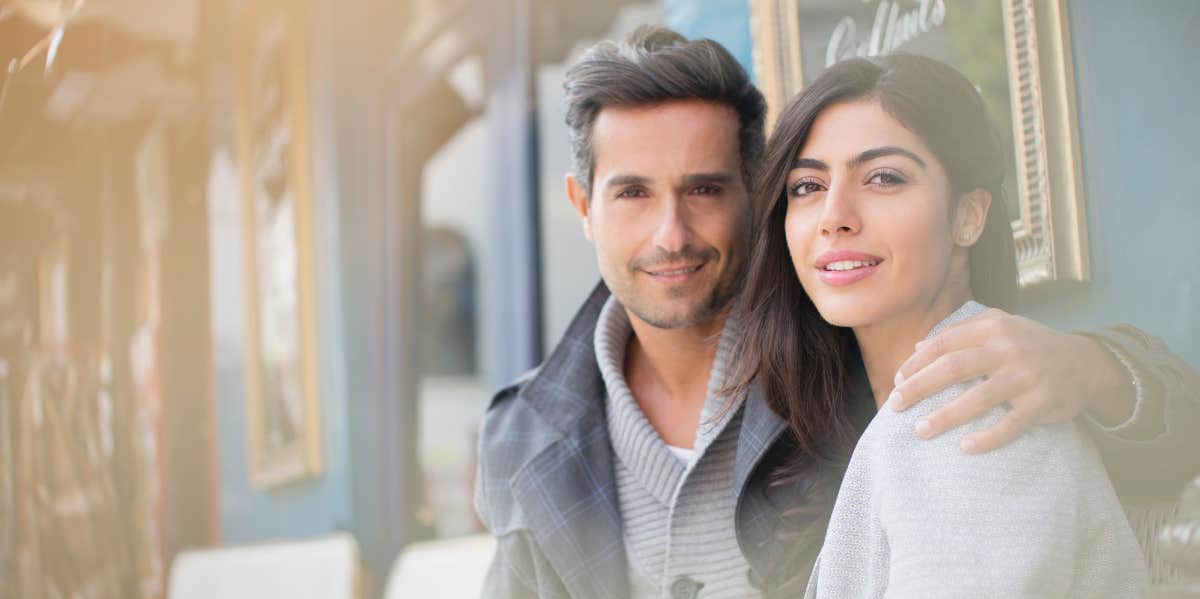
(658,65)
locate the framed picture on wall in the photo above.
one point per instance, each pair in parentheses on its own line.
(282,403)
(1018,55)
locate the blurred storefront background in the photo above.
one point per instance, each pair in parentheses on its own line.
(263,262)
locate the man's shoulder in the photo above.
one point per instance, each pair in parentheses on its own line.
(515,428)
(511,421)
(520,428)
(511,435)
(505,395)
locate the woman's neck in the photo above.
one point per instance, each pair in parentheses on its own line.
(886,344)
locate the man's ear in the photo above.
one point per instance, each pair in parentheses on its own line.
(971,216)
(579,199)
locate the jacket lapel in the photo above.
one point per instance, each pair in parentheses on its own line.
(568,491)
(760,429)
(569,495)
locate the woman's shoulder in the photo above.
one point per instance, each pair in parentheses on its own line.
(897,430)
(892,444)
(890,447)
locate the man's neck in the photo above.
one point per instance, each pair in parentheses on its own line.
(668,370)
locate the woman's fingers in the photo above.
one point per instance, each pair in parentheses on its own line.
(967,407)
(948,368)
(1011,426)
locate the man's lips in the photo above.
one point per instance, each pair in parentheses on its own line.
(844,267)
(674,273)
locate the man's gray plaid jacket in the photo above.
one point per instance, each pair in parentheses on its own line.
(546,487)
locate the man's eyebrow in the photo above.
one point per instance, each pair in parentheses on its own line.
(708,178)
(812,163)
(880,152)
(621,180)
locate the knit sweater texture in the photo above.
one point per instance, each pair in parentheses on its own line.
(678,517)
(921,518)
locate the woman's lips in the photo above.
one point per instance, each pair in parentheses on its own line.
(838,278)
(842,267)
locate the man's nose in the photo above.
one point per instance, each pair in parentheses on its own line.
(672,232)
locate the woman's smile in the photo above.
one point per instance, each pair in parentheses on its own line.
(844,267)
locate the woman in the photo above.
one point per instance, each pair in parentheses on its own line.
(884,222)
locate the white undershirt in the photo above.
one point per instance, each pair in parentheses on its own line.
(685,454)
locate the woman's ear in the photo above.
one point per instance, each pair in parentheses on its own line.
(971,216)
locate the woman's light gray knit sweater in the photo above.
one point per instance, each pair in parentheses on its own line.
(678,516)
(916,518)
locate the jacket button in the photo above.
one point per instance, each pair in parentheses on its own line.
(685,588)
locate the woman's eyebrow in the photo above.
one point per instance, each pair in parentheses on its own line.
(880,152)
(812,163)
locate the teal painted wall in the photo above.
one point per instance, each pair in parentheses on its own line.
(1138,89)
(724,21)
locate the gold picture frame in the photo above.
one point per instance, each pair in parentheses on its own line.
(1050,221)
(282,398)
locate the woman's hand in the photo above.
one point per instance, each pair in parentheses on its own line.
(1042,374)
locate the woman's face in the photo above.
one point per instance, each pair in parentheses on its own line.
(869,223)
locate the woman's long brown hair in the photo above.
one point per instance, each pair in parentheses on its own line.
(801,362)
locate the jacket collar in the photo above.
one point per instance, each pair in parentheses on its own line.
(568,391)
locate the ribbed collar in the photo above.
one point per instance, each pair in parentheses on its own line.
(635,442)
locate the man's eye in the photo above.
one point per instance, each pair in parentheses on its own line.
(632,192)
(803,188)
(707,190)
(887,178)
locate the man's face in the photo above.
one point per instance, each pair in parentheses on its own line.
(668,210)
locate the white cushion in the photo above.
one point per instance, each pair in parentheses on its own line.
(322,568)
(451,568)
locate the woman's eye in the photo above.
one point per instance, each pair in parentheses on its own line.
(803,188)
(887,178)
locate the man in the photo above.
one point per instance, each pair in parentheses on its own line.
(615,469)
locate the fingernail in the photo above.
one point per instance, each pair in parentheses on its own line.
(968,444)
(899,378)
(923,428)
(893,400)
(919,345)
